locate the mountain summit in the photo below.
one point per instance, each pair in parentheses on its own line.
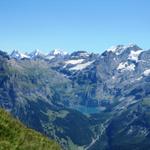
(18,55)
(119,49)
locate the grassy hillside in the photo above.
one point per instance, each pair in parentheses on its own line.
(15,136)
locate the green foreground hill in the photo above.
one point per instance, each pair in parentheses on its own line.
(15,136)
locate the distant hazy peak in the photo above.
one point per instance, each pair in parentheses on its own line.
(36,53)
(18,55)
(57,52)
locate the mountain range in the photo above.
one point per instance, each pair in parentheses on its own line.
(85,101)
(36,54)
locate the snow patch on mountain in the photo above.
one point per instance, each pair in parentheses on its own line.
(36,53)
(49,57)
(74,61)
(18,55)
(84,54)
(119,49)
(81,66)
(57,52)
(134,55)
(140,78)
(23,55)
(115,49)
(123,66)
(147,72)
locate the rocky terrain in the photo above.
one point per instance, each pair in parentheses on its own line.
(82,100)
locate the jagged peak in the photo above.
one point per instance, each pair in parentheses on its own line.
(15,51)
(119,49)
(18,55)
(36,53)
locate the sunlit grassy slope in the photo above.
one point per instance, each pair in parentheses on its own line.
(15,136)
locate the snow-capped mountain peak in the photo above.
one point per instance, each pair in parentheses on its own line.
(119,49)
(15,54)
(36,53)
(115,49)
(56,52)
(134,55)
(18,55)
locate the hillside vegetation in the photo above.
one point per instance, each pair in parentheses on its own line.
(15,136)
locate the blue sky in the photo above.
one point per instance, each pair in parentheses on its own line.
(92,25)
